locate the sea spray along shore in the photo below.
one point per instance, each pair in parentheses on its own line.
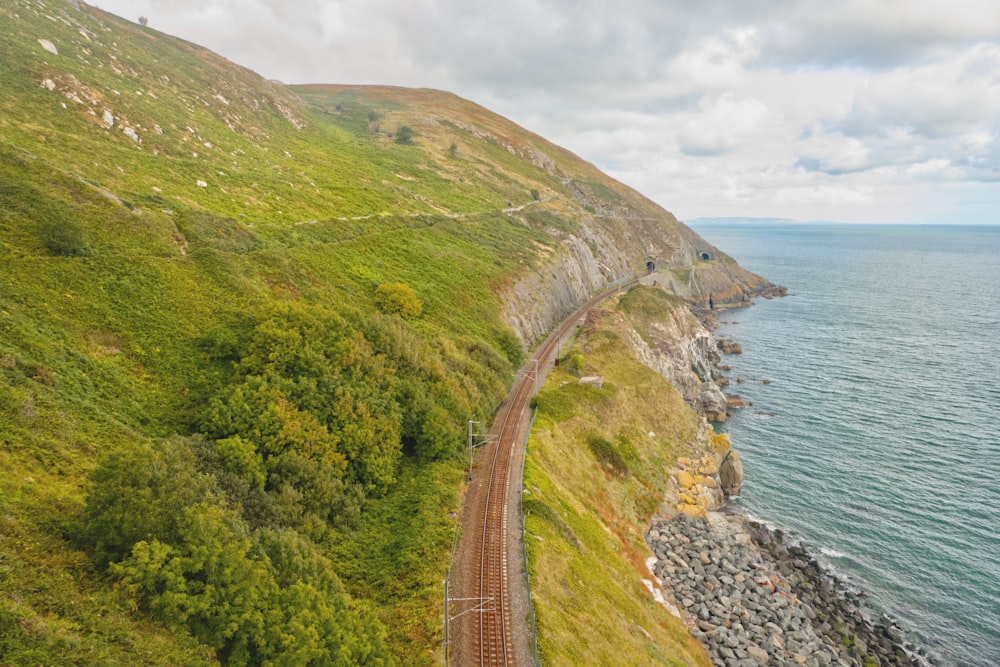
(753,599)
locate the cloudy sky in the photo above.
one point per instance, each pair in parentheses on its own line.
(848,110)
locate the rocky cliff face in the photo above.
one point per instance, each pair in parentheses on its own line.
(682,350)
(614,248)
(542,298)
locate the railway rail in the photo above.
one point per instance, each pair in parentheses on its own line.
(494,637)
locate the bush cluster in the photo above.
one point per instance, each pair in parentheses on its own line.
(607,454)
(398,299)
(265,596)
(218,532)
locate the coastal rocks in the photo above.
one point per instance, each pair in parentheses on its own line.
(838,612)
(731,473)
(729,346)
(709,405)
(697,488)
(753,600)
(735,401)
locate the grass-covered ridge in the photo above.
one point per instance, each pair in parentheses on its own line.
(220,439)
(598,462)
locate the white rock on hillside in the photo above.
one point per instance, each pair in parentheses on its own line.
(49,46)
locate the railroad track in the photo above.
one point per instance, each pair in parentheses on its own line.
(494,627)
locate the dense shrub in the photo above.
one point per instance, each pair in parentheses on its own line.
(607,454)
(220,343)
(139,493)
(349,392)
(217,534)
(187,556)
(575,363)
(511,346)
(264,598)
(204,580)
(342,397)
(398,299)
(64,238)
(405,134)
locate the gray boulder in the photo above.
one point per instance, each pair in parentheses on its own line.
(731,473)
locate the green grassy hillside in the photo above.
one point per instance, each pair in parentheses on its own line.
(242,326)
(598,462)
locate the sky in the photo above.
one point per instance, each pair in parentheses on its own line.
(883,111)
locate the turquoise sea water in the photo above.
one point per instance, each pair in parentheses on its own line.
(877,439)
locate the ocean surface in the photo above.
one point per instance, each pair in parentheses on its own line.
(875,439)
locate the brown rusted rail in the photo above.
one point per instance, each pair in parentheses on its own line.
(495,642)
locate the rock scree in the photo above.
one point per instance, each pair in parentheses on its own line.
(752,599)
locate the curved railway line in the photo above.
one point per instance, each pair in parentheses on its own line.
(482,559)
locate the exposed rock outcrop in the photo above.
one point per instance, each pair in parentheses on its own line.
(718,281)
(682,350)
(695,488)
(735,401)
(626,235)
(731,473)
(541,299)
(729,346)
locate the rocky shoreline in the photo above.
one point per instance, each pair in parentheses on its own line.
(750,596)
(753,599)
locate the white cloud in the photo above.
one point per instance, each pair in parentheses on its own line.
(834,154)
(721,124)
(716,61)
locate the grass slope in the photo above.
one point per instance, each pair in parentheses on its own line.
(598,460)
(158,206)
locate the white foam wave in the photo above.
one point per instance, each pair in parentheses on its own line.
(832,553)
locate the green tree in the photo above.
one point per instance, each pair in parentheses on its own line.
(138,493)
(241,458)
(220,343)
(207,581)
(265,599)
(370,440)
(262,415)
(398,299)
(312,620)
(439,435)
(404,135)
(313,386)
(306,491)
